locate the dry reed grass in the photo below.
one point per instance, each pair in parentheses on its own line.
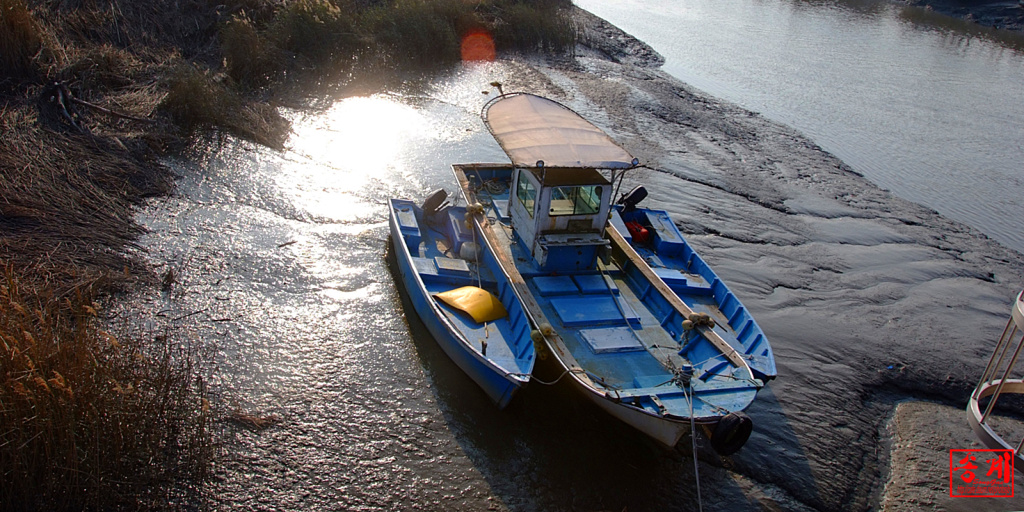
(253,421)
(94,420)
(543,26)
(127,56)
(249,58)
(107,50)
(196,100)
(325,36)
(20,38)
(319,31)
(68,198)
(419,33)
(79,405)
(68,439)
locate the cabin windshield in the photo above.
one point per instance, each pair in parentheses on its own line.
(581,200)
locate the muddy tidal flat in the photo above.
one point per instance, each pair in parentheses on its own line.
(870,302)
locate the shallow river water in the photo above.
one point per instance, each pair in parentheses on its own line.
(280,265)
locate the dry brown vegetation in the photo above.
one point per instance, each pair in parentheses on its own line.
(91,420)
(197,101)
(91,95)
(19,38)
(87,421)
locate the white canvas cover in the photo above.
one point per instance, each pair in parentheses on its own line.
(531,128)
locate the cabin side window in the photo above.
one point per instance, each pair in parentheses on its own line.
(583,200)
(527,194)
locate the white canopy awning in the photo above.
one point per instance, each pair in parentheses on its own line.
(531,128)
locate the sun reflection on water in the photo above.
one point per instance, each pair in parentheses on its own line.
(337,156)
(368,131)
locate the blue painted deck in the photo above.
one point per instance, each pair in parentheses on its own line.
(583,310)
(598,337)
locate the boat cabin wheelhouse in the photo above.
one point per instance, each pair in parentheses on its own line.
(559,215)
(560,200)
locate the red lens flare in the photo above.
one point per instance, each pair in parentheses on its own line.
(478,46)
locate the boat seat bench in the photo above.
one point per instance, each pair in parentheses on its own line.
(456,229)
(442,266)
(681,283)
(667,239)
(555,285)
(595,283)
(672,390)
(406,215)
(450,271)
(610,340)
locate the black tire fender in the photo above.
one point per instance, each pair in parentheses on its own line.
(731,433)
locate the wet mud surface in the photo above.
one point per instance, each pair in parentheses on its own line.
(921,440)
(867,298)
(868,301)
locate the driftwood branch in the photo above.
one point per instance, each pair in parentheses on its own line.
(61,96)
(111,112)
(64,102)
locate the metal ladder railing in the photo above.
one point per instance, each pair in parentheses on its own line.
(997,381)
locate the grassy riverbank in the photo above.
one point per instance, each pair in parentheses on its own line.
(97,412)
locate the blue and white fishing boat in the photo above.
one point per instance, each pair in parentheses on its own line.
(633,316)
(462,295)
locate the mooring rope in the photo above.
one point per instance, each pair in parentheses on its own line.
(476,247)
(471,213)
(693,444)
(533,378)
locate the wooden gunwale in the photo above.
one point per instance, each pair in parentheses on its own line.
(723,346)
(530,304)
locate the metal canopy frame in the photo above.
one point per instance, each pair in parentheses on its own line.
(996,381)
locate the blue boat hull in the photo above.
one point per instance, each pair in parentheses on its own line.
(648,333)
(499,383)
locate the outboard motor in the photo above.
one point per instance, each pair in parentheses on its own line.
(434,204)
(630,199)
